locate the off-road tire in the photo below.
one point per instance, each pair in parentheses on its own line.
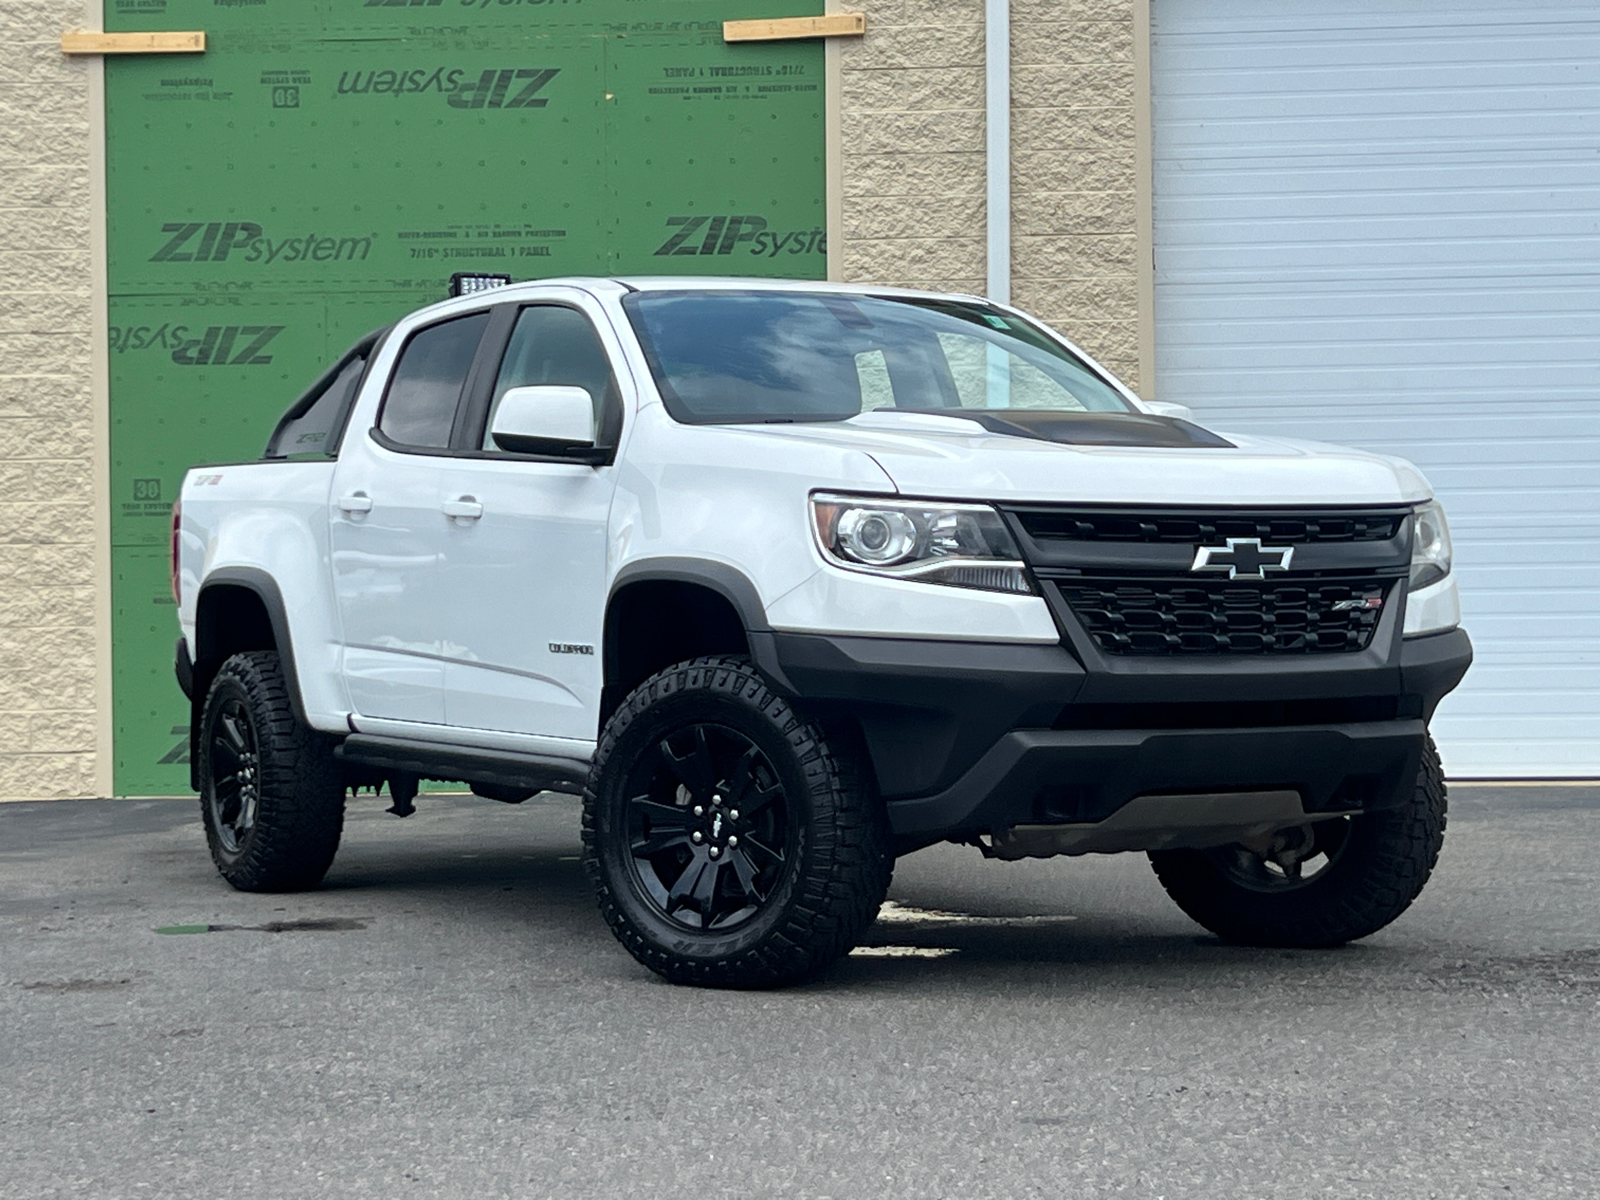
(831,890)
(299,792)
(1381,869)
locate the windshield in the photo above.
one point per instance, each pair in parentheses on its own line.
(725,357)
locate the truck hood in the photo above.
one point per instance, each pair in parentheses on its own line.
(958,459)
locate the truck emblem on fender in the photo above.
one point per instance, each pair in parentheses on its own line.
(1242,558)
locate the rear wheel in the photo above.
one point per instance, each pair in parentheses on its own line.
(1315,885)
(271,795)
(731,842)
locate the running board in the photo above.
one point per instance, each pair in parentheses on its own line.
(430,760)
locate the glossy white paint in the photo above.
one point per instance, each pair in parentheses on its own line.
(455,583)
(950,458)
(831,599)
(561,414)
(528,575)
(274,519)
(385,578)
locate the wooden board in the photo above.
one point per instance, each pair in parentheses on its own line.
(783,28)
(133,43)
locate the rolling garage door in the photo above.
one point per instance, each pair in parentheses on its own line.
(1379,224)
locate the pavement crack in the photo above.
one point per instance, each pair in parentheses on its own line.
(61,987)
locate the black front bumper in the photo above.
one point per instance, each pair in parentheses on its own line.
(969,737)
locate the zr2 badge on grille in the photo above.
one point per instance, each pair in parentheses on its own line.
(1243,558)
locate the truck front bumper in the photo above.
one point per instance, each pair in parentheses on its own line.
(972,737)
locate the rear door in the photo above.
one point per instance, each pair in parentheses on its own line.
(524,567)
(386,528)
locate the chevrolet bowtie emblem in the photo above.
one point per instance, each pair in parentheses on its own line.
(1243,558)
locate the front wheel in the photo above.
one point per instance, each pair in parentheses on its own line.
(731,843)
(1316,885)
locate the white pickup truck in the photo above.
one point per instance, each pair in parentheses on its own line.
(787,579)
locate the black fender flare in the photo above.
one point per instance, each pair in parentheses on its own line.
(265,588)
(732,584)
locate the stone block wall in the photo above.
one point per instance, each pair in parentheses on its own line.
(912,120)
(1073,196)
(47,496)
(912,128)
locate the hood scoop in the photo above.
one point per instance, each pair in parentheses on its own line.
(1090,428)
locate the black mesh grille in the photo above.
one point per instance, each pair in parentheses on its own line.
(1293,529)
(1159,616)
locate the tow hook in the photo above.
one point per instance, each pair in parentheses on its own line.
(403,790)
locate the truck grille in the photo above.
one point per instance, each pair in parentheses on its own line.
(1192,616)
(1053,525)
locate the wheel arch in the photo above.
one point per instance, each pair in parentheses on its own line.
(238,609)
(665,610)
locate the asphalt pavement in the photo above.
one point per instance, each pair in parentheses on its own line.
(449,1017)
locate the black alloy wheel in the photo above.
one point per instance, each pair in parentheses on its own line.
(271,794)
(710,828)
(1290,859)
(731,841)
(235,760)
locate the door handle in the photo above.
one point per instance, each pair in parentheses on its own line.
(462,508)
(356,502)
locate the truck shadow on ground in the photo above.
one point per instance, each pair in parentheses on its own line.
(920,950)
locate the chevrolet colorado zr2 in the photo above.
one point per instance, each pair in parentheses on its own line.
(788,579)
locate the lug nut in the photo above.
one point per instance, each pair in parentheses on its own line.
(733,840)
(697,837)
(715,853)
(699,810)
(733,814)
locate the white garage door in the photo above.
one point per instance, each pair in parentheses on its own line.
(1378,223)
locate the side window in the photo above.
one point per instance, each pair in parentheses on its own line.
(556,346)
(316,429)
(420,405)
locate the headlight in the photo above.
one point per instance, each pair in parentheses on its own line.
(1430,546)
(959,545)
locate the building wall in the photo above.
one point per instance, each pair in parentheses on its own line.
(912,160)
(48,498)
(911,126)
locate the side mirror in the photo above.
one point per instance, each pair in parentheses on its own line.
(1165,408)
(544,420)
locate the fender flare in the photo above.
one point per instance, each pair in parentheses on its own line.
(732,584)
(265,588)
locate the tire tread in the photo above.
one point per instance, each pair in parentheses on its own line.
(300,817)
(849,840)
(1397,854)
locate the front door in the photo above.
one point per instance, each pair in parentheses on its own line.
(523,569)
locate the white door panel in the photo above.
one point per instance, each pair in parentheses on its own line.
(385,577)
(526,576)
(525,572)
(1379,224)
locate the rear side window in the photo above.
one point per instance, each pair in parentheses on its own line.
(314,429)
(420,405)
